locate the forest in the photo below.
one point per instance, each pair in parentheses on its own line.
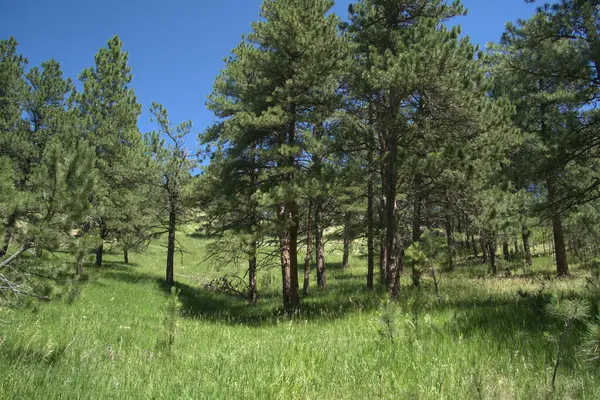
(381,209)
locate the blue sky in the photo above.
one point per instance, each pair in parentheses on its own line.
(176,48)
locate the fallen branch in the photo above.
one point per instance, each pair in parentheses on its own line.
(17,254)
(229,284)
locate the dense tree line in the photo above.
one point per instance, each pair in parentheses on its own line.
(77,174)
(382,127)
(392,123)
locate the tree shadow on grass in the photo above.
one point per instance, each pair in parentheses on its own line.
(500,316)
(117,265)
(125,275)
(321,304)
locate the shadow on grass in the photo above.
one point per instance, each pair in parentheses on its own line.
(117,265)
(330,304)
(198,235)
(501,316)
(128,276)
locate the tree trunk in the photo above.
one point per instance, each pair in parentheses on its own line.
(320,246)
(288,237)
(392,242)
(506,250)
(474,244)
(10,224)
(100,249)
(4,248)
(370,230)
(544,240)
(484,250)
(252,291)
(125,256)
(170,273)
(346,255)
(383,269)
(562,267)
(99,254)
(289,221)
(309,240)
(492,251)
(525,236)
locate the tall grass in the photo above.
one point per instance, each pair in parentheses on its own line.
(488,339)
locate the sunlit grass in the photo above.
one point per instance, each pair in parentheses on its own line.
(487,339)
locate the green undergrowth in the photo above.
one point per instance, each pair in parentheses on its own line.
(117,335)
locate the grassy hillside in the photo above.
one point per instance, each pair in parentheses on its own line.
(487,338)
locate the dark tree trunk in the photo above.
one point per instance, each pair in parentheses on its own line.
(517,249)
(99,254)
(346,256)
(492,251)
(484,250)
(170,273)
(8,226)
(288,238)
(125,256)
(474,244)
(562,267)
(370,230)
(370,207)
(544,240)
(295,226)
(4,247)
(392,242)
(383,268)
(320,246)
(289,266)
(309,241)
(252,291)
(100,249)
(526,248)
(506,250)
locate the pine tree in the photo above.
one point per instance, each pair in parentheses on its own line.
(272,92)
(109,111)
(12,141)
(548,81)
(174,166)
(424,91)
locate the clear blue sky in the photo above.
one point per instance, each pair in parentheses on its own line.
(176,47)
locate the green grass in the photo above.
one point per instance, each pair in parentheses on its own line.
(485,340)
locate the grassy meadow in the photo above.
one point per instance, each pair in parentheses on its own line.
(485,338)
